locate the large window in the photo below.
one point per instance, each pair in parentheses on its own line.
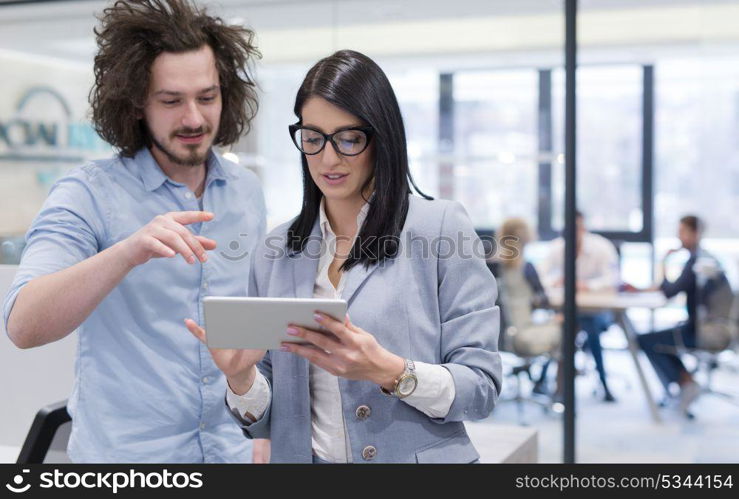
(417,91)
(495,144)
(277,161)
(697,132)
(609,147)
(697,153)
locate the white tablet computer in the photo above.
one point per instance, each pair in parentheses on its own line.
(261,323)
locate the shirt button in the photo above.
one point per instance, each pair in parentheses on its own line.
(202,426)
(369,453)
(188,195)
(363,412)
(206,380)
(205,285)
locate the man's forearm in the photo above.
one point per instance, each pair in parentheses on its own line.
(50,307)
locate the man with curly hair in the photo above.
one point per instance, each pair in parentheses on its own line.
(124,249)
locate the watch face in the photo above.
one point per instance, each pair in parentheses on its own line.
(407,385)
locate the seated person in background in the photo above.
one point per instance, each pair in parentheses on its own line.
(597,270)
(521,295)
(659,345)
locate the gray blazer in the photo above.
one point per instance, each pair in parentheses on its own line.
(434,303)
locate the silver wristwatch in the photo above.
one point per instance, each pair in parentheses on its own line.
(406,383)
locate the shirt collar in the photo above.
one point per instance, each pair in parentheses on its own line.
(152,175)
(326,226)
(215,169)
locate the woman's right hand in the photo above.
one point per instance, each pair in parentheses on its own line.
(239,366)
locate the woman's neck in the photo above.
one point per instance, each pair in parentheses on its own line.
(342,215)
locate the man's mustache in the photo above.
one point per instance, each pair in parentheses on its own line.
(191,131)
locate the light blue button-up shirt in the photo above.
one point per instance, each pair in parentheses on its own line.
(145,389)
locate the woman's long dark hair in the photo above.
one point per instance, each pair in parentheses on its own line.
(356,84)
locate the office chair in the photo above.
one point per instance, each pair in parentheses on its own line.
(526,357)
(717,326)
(524,346)
(46,441)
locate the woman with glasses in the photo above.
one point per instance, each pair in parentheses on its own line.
(417,353)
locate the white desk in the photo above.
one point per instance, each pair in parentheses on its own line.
(8,454)
(499,443)
(619,304)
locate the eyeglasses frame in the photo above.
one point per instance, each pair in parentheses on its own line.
(368,131)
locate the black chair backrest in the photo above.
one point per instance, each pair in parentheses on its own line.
(44,428)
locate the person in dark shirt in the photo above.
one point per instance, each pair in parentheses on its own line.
(659,346)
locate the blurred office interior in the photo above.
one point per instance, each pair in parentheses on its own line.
(482,88)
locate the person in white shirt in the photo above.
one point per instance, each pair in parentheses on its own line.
(597,271)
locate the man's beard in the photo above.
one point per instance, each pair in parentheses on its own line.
(192,159)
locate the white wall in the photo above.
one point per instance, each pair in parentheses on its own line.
(30,378)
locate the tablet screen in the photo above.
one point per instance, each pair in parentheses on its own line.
(261,323)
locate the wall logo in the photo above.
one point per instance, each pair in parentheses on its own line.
(17,486)
(42,128)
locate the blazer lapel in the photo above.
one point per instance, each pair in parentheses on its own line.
(305,265)
(354,280)
(305,269)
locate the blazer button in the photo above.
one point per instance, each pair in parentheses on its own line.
(369,453)
(363,412)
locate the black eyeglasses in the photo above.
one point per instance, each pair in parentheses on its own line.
(347,141)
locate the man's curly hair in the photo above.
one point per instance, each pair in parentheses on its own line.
(132,34)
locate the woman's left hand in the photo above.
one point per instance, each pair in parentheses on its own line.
(346,350)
